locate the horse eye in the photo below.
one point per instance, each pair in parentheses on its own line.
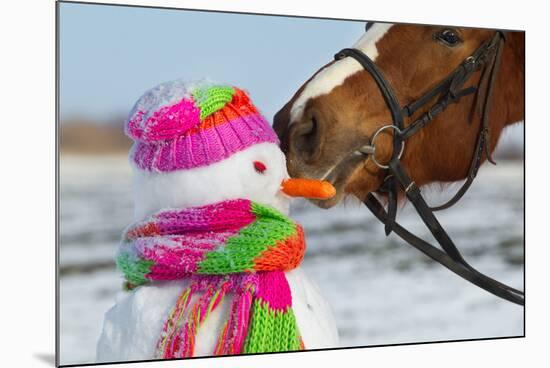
(259,167)
(448,36)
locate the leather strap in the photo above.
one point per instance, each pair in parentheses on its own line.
(443,258)
(385,87)
(483,139)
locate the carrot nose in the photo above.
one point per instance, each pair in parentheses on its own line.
(308,188)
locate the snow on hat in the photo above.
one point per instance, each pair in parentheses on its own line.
(178,125)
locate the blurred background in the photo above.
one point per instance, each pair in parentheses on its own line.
(381,290)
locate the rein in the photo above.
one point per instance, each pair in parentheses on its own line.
(450,90)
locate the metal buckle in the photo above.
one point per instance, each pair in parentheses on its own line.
(410,186)
(373,139)
(470,63)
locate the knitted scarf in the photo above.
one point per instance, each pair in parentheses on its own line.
(235,247)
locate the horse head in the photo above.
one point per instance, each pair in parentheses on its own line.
(341,107)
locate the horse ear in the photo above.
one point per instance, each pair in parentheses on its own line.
(368,25)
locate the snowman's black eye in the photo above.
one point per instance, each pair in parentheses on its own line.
(259,167)
(448,37)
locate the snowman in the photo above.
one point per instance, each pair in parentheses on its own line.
(212,262)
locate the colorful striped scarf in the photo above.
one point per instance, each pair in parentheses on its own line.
(236,247)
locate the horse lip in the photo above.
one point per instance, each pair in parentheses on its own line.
(338,175)
(328,203)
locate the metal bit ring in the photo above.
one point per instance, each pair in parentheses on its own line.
(373,140)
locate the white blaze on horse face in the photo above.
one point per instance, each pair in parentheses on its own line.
(334,75)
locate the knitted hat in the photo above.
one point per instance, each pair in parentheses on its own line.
(181,126)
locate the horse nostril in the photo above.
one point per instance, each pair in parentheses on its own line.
(306,136)
(311,127)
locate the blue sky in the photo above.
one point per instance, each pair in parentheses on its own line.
(110,55)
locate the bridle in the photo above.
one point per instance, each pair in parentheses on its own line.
(450,90)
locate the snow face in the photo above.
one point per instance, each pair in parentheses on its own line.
(232,178)
(334,75)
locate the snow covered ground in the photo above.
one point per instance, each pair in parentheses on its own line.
(382,291)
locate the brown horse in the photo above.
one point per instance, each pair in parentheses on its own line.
(340,108)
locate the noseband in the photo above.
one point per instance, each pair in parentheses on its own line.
(450,90)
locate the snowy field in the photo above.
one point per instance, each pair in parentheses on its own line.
(382,291)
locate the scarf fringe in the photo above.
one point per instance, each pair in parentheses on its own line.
(166,341)
(177,337)
(234,332)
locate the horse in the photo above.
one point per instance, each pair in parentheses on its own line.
(460,88)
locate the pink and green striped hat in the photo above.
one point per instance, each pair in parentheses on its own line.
(178,125)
